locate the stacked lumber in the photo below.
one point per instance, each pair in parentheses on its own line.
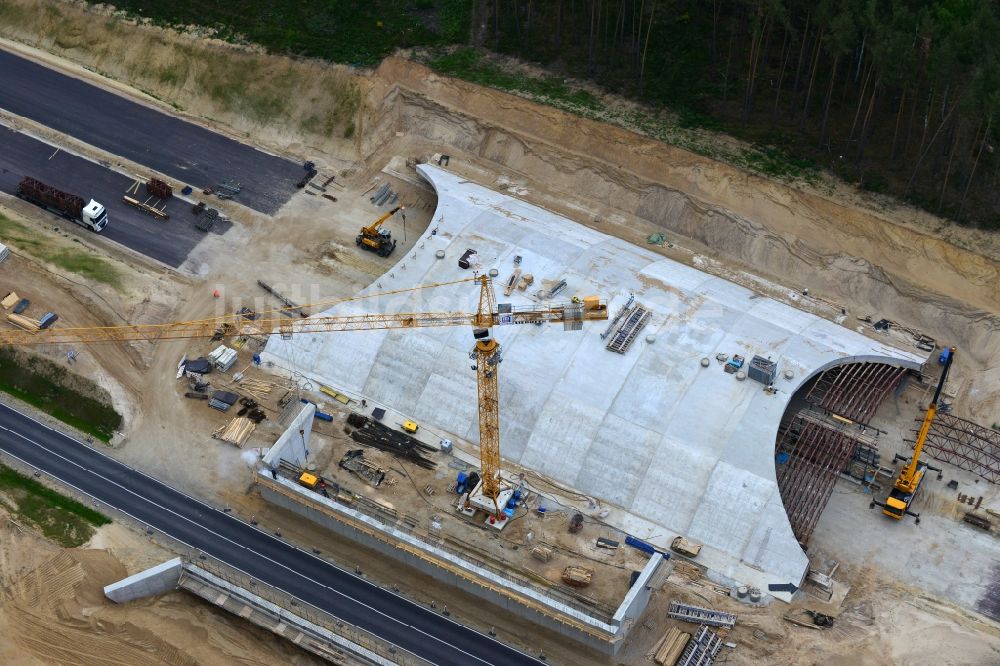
(257,389)
(542,553)
(671,647)
(236,432)
(577,576)
(27,323)
(10,300)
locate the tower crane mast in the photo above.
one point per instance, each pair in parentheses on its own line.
(486,352)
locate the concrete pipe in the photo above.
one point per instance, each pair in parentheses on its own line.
(439,254)
(705,362)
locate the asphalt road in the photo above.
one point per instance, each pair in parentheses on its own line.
(268,558)
(169,241)
(187,152)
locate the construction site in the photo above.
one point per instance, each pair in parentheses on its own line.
(553,385)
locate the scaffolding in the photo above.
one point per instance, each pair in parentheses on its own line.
(855,390)
(811,455)
(966,445)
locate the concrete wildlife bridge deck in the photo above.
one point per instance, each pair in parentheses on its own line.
(670,446)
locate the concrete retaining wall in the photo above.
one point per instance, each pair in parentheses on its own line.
(294,442)
(446,567)
(635,601)
(157,580)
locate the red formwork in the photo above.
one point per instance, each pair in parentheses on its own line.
(47,195)
(965,444)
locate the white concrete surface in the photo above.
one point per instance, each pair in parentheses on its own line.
(680,449)
(155,580)
(293,444)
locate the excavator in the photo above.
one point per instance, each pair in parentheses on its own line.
(375,239)
(897,504)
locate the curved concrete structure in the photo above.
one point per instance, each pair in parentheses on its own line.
(680,448)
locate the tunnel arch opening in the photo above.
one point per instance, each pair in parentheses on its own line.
(827,431)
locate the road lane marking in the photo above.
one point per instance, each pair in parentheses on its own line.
(115,461)
(230,541)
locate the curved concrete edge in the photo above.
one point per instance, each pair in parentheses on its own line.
(669,447)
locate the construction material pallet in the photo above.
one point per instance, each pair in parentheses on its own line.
(634,322)
(698,615)
(206,219)
(701,649)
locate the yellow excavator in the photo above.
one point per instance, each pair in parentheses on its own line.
(375,239)
(897,504)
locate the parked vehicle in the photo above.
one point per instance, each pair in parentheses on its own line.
(92,215)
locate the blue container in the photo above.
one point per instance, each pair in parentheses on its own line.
(517,495)
(782,458)
(323,417)
(943,358)
(639,544)
(511,503)
(509,513)
(462,476)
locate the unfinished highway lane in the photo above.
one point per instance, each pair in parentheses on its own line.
(184,151)
(168,241)
(263,556)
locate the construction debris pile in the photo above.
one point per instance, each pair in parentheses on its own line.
(354,461)
(377,435)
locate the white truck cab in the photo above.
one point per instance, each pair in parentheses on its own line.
(94,215)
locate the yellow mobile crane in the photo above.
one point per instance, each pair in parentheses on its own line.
(897,504)
(486,351)
(375,239)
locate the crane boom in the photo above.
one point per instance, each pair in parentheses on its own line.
(373,228)
(486,352)
(906,480)
(897,504)
(235,324)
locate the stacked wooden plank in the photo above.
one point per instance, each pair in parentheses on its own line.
(577,576)
(27,323)
(258,389)
(671,646)
(236,432)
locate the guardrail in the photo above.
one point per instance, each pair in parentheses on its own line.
(306,611)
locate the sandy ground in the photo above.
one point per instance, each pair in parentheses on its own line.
(53,610)
(877,623)
(856,256)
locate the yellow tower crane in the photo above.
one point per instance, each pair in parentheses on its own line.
(904,490)
(486,351)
